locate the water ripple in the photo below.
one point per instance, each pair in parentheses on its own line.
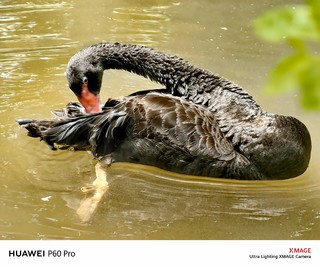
(147,25)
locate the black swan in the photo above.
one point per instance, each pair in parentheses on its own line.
(199,124)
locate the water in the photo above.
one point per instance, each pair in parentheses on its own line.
(40,188)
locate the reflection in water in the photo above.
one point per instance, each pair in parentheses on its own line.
(156,204)
(40,187)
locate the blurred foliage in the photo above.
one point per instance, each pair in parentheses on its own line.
(298,26)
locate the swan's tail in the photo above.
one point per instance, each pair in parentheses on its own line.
(98,133)
(61,134)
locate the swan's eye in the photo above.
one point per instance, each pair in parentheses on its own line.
(85,80)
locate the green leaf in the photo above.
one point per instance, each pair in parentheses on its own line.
(296,26)
(315,11)
(287,23)
(310,85)
(286,74)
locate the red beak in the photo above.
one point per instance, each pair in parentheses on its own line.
(89,101)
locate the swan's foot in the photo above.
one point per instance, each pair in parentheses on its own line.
(95,191)
(88,189)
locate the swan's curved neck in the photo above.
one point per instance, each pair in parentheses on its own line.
(180,77)
(168,70)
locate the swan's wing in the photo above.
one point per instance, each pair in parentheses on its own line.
(163,119)
(183,125)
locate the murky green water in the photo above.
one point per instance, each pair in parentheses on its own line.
(39,189)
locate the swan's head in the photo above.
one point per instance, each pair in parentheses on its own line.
(282,150)
(84,79)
